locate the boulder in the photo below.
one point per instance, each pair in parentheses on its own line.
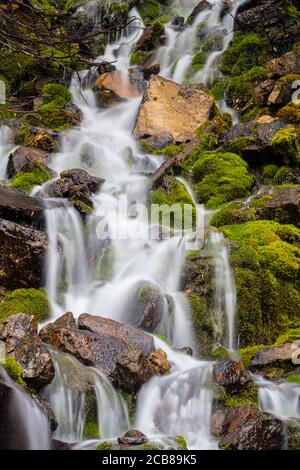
(289,63)
(45,140)
(132,438)
(127,333)
(283,205)
(24,160)
(253,432)
(76,185)
(265,14)
(23,251)
(20,335)
(117,83)
(279,356)
(148,307)
(16,205)
(173,109)
(262,92)
(122,362)
(231,375)
(150,38)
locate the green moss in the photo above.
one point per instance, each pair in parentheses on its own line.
(220,178)
(239,88)
(243,54)
(247,396)
(269,171)
(295,379)
(286,145)
(137,58)
(198,61)
(147,446)
(248,353)
(203,325)
(105,446)
(233,213)
(218,89)
(181,441)
(220,353)
(130,399)
(28,301)
(150,10)
(266,262)
(55,119)
(55,96)
(14,370)
(28,181)
(288,337)
(91,430)
(290,113)
(171,150)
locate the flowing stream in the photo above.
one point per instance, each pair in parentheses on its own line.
(101,275)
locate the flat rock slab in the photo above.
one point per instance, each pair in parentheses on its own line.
(173,109)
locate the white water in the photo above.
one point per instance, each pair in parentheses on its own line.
(225,293)
(32,423)
(280,399)
(74,389)
(177,54)
(5,149)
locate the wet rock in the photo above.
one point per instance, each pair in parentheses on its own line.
(158,362)
(20,335)
(160,142)
(124,364)
(231,375)
(24,160)
(106,67)
(284,205)
(293,434)
(262,433)
(23,251)
(59,445)
(16,205)
(77,186)
(186,350)
(148,308)
(133,437)
(127,333)
(279,356)
(262,13)
(149,69)
(178,23)
(289,63)
(262,92)
(43,139)
(281,93)
(150,38)
(75,113)
(173,109)
(203,5)
(67,320)
(217,422)
(117,83)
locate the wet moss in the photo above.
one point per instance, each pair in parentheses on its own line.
(198,61)
(14,370)
(181,441)
(233,213)
(239,88)
(221,178)
(91,430)
(28,181)
(54,96)
(286,145)
(28,301)
(290,113)
(150,10)
(55,119)
(247,396)
(203,325)
(266,261)
(243,54)
(105,446)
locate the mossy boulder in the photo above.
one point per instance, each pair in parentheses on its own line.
(29,301)
(286,145)
(27,181)
(220,178)
(55,96)
(266,261)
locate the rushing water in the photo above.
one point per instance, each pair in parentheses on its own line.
(5,149)
(31,424)
(79,395)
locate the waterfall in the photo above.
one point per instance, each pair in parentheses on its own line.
(280,399)
(79,395)
(5,149)
(225,293)
(31,426)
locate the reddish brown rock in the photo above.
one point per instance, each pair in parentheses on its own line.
(231,375)
(20,335)
(118,83)
(132,438)
(24,159)
(127,333)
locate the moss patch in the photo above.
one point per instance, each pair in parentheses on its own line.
(14,370)
(28,181)
(28,301)
(55,96)
(220,178)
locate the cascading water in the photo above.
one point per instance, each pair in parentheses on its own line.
(225,293)
(5,149)
(79,395)
(280,399)
(32,426)
(104,146)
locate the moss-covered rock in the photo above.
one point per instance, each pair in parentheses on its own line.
(220,178)
(28,181)
(243,54)
(54,96)
(286,145)
(150,10)
(14,370)
(266,260)
(28,301)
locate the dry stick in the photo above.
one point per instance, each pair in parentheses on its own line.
(171,162)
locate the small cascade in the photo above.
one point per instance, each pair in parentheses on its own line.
(279,399)
(31,427)
(225,293)
(83,400)
(5,149)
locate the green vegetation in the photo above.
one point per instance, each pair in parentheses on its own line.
(239,88)
(105,446)
(220,178)
(91,430)
(247,396)
(243,54)
(266,261)
(286,144)
(181,441)
(150,10)
(55,96)
(28,181)
(29,301)
(295,379)
(14,370)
